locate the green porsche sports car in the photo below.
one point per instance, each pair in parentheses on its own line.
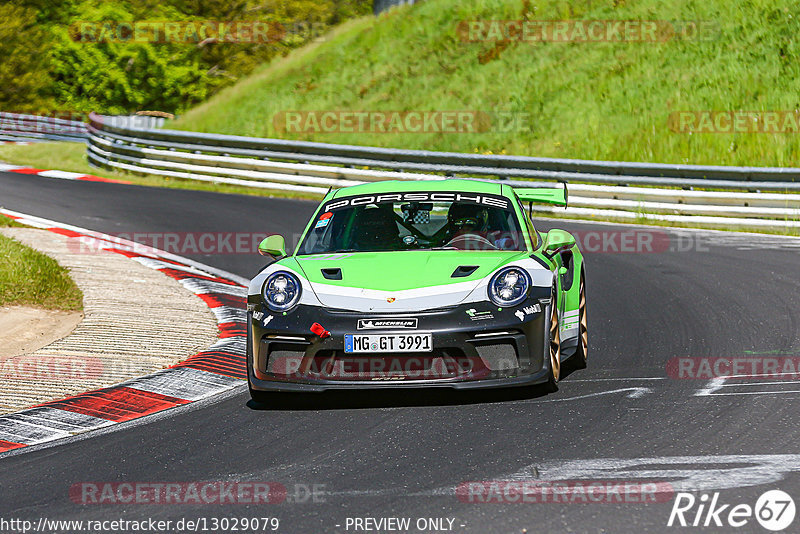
(418,284)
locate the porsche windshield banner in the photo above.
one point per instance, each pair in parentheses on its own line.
(493,201)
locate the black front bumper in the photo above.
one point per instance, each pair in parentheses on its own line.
(475,345)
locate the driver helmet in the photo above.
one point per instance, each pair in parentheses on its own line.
(467,217)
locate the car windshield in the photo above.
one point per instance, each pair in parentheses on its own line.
(414,221)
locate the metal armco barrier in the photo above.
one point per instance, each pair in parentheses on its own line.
(379,6)
(22,127)
(314,167)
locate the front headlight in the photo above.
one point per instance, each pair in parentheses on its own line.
(281,291)
(509,286)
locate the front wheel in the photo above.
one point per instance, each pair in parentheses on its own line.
(261,397)
(554,346)
(583,335)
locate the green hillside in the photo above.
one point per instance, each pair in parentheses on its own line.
(595,100)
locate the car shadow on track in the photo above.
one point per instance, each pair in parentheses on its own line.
(395,398)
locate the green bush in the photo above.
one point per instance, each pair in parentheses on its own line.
(45,68)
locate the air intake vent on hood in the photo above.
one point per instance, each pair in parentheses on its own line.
(463,270)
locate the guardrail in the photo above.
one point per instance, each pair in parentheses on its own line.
(379,6)
(22,127)
(314,167)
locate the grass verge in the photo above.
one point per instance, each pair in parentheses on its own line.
(72,157)
(30,278)
(5,222)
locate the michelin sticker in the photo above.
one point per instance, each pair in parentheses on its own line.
(374,324)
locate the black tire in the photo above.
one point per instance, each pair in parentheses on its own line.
(261,397)
(554,346)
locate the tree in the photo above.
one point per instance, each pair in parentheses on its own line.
(24,79)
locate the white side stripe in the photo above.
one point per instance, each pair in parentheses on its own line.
(64,175)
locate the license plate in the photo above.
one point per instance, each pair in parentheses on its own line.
(417,342)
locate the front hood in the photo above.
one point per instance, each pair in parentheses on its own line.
(399,281)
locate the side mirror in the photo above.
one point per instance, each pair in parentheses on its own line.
(557,240)
(273,245)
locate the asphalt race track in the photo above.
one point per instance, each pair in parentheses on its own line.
(404,455)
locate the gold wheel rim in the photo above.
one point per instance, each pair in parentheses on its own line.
(584,333)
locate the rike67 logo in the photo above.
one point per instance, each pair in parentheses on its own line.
(774,510)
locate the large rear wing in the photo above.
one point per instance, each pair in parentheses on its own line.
(556,196)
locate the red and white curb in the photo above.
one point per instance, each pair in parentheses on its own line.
(218,369)
(63,175)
